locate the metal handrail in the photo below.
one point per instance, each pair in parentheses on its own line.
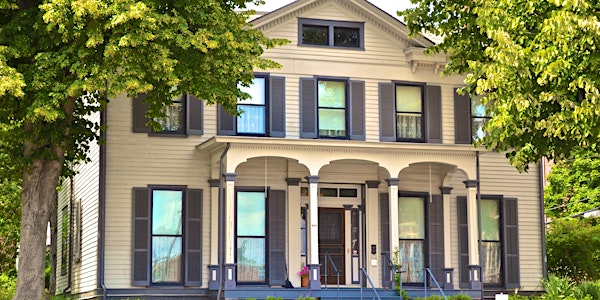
(389,263)
(337,271)
(428,271)
(363,271)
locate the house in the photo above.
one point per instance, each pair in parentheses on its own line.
(356,153)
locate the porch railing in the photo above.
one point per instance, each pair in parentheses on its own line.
(363,272)
(329,260)
(428,271)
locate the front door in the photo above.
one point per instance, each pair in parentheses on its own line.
(332,245)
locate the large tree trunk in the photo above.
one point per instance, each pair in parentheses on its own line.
(39,187)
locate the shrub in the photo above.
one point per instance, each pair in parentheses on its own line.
(8,286)
(591,289)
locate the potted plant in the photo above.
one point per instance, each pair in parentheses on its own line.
(303,273)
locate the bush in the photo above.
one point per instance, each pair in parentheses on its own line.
(8,286)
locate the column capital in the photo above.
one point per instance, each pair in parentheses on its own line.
(229,176)
(312,179)
(347,206)
(213,182)
(372,184)
(392,181)
(470,183)
(446,190)
(293,181)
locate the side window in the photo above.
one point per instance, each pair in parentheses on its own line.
(253,120)
(183,117)
(251,237)
(411,229)
(174,119)
(409,112)
(339,34)
(167,236)
(479,117)
(490,241)
(332,104)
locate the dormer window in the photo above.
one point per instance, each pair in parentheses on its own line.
(314,32)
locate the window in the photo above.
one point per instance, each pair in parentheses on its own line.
(253,120)
(479,117)
(331,33)
(183,117)
(251,237)
(64,251)
(490,241)
(331,99)
(167,239)
(409,112)
(411,230)
(174,119)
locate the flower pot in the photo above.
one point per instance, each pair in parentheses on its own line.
(304,281)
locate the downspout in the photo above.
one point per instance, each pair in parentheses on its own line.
(102,203)
(477,169)
(543,219)
(221,229)
(71,182)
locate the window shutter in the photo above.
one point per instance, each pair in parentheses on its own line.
(384,225)
(195,115)
(462,119)
(308,108)
(463,241)
(433,102)
(511,243)
(277,213)
(226,122)
(139,114)
(277,106)
(357,110)
(141,237)
(193,238)
(387,110)
(436,236)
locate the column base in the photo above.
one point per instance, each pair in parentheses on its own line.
(214,277)
(448,279)
(230,283)
(474,277)
(315,277)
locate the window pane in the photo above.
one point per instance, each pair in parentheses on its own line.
(477,127)
(251,255)
(173,122)
(332,94)
(315,35)
(252,119)
(166,259)
(166,212)
(490,220)
(346,37)
(477,108)
(256,91)
(408,99)
(251,214)
(409,126)
(492,252)
(411,217)
(411,255)
(332,122)
(348,193)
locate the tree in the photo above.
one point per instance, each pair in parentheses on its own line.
(534,61)
(62,60)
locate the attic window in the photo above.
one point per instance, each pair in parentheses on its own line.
(314,32)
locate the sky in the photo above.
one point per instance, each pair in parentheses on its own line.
(389,6)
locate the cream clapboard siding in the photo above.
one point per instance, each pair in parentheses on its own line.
(62,202)
(138,160)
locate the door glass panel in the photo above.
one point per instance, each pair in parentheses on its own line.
(331,228)
(166,259)
(411,254)
(411,217)
(166,212)
(492,260)
(251,253)
(251,214)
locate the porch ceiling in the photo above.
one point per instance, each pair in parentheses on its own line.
(315,154)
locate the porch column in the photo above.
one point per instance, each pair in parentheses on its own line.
(313,255)
(372,234)
(448,283)
(293,217)
(214,276)
(229,230)
(393,192)
(473,227)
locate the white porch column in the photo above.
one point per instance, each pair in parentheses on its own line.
(473,226)
(229,230)
(372,234)
(393,192)
(293,217)
(313,255)
(448,270)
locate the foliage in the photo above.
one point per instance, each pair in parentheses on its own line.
(574,186)
(534,61)
(10,217)
(8,285)
(573,249)
(451,297)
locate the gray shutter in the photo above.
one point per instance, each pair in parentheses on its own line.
(276,213)
(193,238)
(357,110)
(141,237)
(308,108)
(384,247)
(226,122)
(462,119)
(433,102)
(195,115)
(511,243)
(277,106)
(436,236)
(139,109)
(463,241)
(387,110)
